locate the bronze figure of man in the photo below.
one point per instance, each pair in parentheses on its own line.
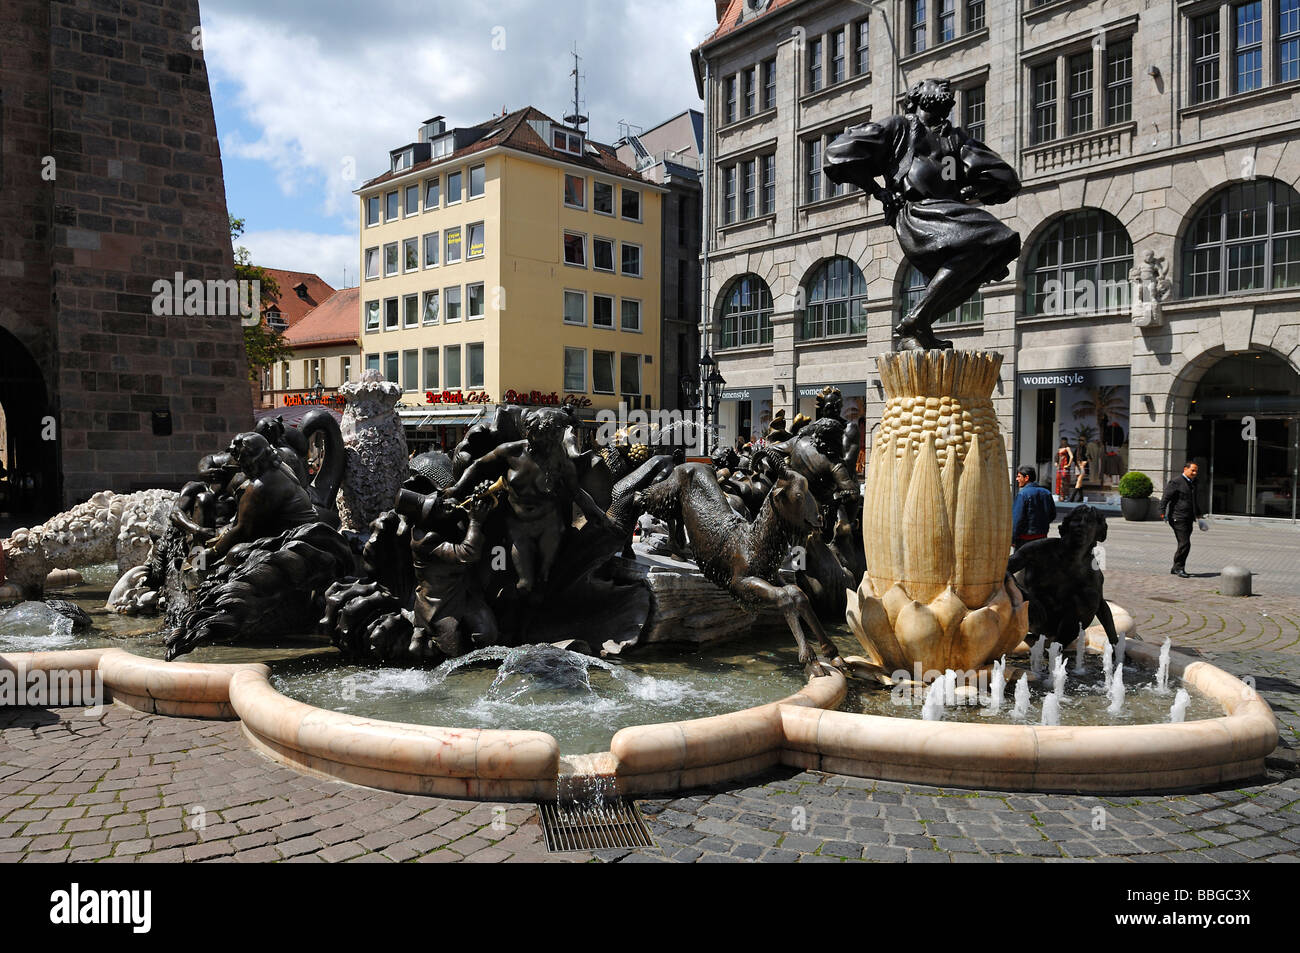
(933,172)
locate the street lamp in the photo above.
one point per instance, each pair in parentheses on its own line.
(708,367)
(715,384)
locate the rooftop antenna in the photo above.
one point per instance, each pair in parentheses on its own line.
(577,120)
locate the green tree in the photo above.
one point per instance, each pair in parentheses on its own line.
(264,345)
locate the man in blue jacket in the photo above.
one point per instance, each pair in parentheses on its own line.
(1034,509)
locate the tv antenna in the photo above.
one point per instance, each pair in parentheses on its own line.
(577,119)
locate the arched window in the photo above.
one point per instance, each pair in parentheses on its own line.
(746,313)
(1245,238)
(972,311)
(836,301)
(1080,266)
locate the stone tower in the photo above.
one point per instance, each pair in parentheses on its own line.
(111,180)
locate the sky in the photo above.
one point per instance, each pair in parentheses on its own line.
(310,95)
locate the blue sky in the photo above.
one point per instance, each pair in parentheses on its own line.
(310,96)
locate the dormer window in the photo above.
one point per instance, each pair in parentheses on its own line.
(403,159)
(566,141)
(301,290)
(276,322)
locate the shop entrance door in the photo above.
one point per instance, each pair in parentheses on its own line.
(1248,477)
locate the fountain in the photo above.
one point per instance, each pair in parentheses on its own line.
(1080,650)
(1116,693)
(1162,670)
(1058,677)
(997,686)
(1052,709)
(1036,657)
(932,708)
(1107,662)
(1021,707)
(1120,647)
(1178,711)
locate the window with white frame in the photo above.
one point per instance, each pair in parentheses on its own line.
(474,238)
(748,188)
(431,250)
(430,368)
(631,259)
(630,374)
(392,366)
(432,193)
(474,365)
(729,176)
(631,204)
(1077,91)
(411,370)
(372,362)
(413,200)
(631,315)
(602,198)
(345,369)
(411,311)
(862,47)
(575,370)
(602,311)
(372,315)
(392,258)
(475,301)
(477,180)
(451,241)
(602,254)
(431,307)
(453,187)
(575,191)
(575,307)
(451,303)
(393,209)
(817,185)
(748,91)
(392,313)
(729,99)
(372,263)
(972,111)
(602,372)
(575,249)
(768,69)
(816,69)
(411,254)
(451,367)
(372,210)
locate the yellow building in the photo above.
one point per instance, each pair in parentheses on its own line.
(511,262)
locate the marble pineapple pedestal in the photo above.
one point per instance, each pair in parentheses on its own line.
(937,521)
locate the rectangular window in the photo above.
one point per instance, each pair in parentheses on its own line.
(631,260)
(372,262)
(451,367)
(431,307)
(411,311)
(575,250)
(432,193)
(431,250)
(631,315)
(1079,69)
(729,99)
(1288,41)
(1043,83)
(916,26)
(749,174)
(575,191)
(1248,41)
(475,239)
(392,258)
(475,301)
(602,372)
(477,180)
(1119,82)
(728,195)
(345,369)
(1205,58)
(602,254)
(749,91)
(411,254)
(451,303)
(862,47)
(412,200)
(602,311)
(430,368)
(814,65)
(474,365)
(575,370)
(451,239)
(947,20)
(372,211)
(453,187)
(974,15)
(769,84)
(410,370)
(372,315)
(392,367)
(284,375)
(769,184)
(838,60)
(630,373)
(631,204)
(393,206)
(973,112)
(602,198)
(392,313)
(575,307)
(372,362)
(812,151)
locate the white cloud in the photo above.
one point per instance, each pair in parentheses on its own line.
(329,256)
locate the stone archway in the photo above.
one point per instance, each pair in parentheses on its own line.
(32,483)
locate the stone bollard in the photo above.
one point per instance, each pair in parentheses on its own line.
(1235,581)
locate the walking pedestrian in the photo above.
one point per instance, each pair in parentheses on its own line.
(1180,508)
(1033,511)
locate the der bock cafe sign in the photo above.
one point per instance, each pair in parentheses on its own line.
(532,398)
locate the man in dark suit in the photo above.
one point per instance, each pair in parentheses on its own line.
(1180,508)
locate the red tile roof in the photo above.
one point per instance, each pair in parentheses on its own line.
(337,321)
(293,307)
(731,20)
(512,131)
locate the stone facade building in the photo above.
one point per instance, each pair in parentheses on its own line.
(1152,314)
(112,181)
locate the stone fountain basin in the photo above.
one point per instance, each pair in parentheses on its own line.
(800,731)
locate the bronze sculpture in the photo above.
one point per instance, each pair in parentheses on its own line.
(932,172)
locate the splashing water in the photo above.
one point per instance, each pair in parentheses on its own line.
(1162,671)
(997,686)
(34,627)
(1116,693)
(1178,711)
(1107,662)
(932,707)
(1053,653)
(949,687)
(1080,651)
(1021,707)
(1036,656)
(1058,679)
(1051,709)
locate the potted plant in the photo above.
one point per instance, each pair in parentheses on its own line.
(1134,495)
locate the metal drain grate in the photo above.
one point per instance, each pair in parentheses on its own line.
(609,823)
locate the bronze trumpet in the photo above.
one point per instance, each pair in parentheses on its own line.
(491,493)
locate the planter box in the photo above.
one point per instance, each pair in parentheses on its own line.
(1138,510)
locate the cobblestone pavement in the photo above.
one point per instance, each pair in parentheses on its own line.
(127,787)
